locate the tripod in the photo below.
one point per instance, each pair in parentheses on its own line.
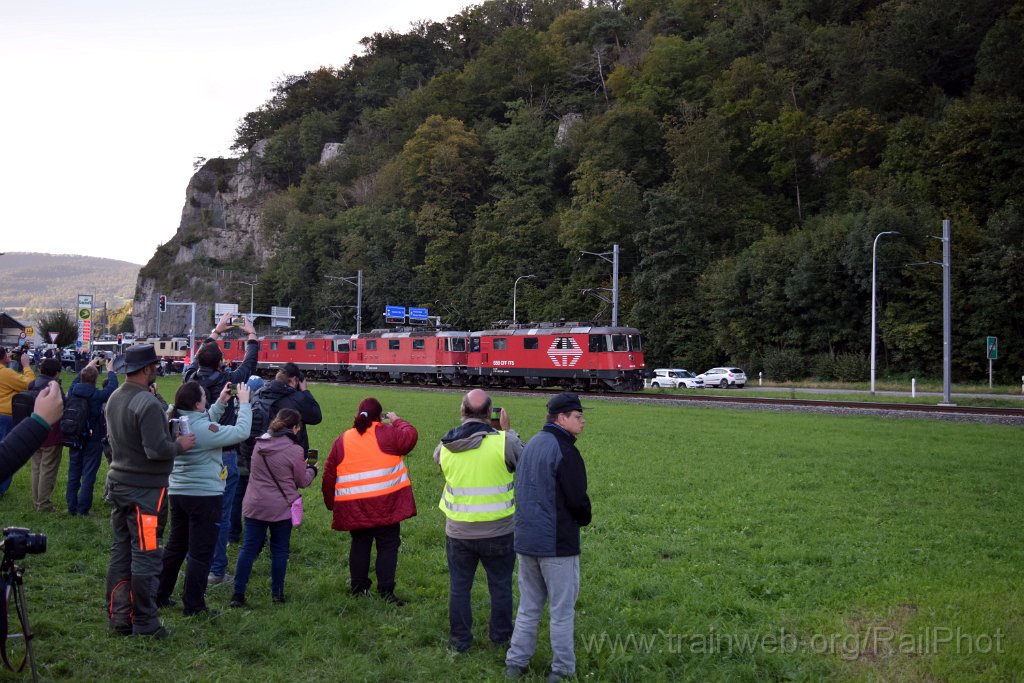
(12,584)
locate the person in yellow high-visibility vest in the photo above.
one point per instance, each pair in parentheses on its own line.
(478,501)
(366,485)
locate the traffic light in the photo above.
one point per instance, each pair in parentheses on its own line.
(120,339)
(163,303)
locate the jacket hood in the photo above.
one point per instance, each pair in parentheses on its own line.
(275,390)
(467,436)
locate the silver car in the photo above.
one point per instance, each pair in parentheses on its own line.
(674,378)
(724,378)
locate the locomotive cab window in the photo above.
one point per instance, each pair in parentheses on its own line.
(340,346)
(474,345)
(394,344)
(598,343)
(500,343)
(418,344)
(619,342)
(458,344)
(531,343)
(634,343)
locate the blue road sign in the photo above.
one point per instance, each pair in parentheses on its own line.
(394,312)
(417,314)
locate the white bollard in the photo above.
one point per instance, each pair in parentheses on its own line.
(760,377)
(913,387)
(1022,384)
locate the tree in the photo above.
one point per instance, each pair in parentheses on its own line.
(61,321)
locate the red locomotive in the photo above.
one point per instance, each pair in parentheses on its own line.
(576,356)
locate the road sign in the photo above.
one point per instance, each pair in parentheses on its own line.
(21,335)
(78,344)
(394,312)
(84,313)
(418,314)
(53,337)
(992,348)
(30,331)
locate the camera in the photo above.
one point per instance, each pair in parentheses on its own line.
(19,542)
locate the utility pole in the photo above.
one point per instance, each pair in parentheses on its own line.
(947,315)
(359,294)
(614,260)
(874,299)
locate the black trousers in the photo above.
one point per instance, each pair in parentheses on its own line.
(388,539)
(194,534)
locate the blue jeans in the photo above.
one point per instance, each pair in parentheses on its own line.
(219,566)
(6,425)
(83,463)
(255,537)
(499,558)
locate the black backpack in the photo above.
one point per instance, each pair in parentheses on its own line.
(74,424)
(22,404)
(262,414)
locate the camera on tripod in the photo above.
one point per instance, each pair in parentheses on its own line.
(18,542)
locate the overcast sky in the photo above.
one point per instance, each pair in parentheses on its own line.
(108,103)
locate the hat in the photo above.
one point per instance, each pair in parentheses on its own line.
(565,402)
(136,358)
(255,382)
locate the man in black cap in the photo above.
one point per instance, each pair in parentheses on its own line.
(288,390)
(142,458)
(551,506)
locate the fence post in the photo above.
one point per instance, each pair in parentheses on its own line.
(913,387)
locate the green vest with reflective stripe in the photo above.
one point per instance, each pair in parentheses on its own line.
(478,485)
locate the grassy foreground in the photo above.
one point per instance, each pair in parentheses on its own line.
(726,545)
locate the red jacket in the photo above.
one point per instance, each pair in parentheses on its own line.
(397,439)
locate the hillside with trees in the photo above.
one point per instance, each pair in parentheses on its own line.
(743,154)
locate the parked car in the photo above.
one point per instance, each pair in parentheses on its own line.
(724,378)
(674,378)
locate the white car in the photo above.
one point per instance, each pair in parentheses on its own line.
(724,378)
(674,378)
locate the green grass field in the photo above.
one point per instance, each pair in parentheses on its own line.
(726,545)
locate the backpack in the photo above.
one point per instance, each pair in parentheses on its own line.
(22,404)
(74,424)
(262,414)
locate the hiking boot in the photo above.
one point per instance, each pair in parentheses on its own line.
(159,634)
(513,671)
(277,599)
(360,592)
(390,597)
(237,600)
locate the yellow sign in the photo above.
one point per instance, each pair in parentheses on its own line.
(84,313)
(30,331)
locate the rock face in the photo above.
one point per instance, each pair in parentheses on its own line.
(219,243)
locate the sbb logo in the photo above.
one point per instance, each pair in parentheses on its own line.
(564,352)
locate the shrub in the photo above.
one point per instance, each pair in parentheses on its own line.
(852,367)
(782,365)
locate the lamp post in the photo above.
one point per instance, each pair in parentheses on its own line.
(252,289)
(874,286)
(516,284)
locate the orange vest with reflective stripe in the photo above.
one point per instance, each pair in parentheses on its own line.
(366,471)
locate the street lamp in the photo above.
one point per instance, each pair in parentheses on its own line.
(874,285)
(252,289)
(516,284)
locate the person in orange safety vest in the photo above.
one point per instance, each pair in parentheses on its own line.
(367,486)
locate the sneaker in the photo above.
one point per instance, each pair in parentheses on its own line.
(555,677)
(360,592)
(237,600)
(393,599)
(513,671)
(215,579)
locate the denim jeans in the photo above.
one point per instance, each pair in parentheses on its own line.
(83,463)
(555,580)
(499,558)
(193,532)
(255,537)
(6,425)
(219,566)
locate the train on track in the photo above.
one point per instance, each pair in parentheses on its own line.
(576,356)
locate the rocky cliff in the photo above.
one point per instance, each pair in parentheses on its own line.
(219,243)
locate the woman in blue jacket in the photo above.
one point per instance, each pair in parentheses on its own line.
(196,490)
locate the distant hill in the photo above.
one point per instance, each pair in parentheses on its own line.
(30,283)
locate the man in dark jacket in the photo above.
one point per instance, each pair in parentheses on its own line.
(207,371)
(288,390)
(551,506)
(84,455)
(142,456)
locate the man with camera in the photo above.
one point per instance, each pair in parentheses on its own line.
(11,383)
(142,456)
(206,370)
(86,448)
(478,459)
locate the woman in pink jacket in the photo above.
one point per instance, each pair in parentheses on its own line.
(276,473)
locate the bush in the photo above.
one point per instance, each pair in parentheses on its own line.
(823,367)
(852,367)
(782,365)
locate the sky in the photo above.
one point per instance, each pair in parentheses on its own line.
(107,104)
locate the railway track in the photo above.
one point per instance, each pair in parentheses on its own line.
(1012,416)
